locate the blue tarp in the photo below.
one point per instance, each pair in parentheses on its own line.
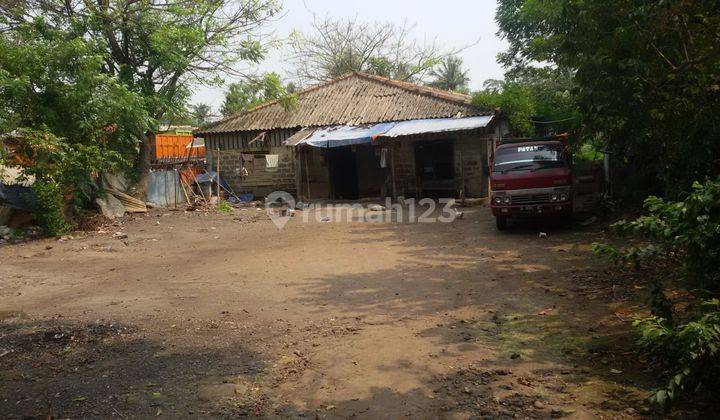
(346,135)
(17,197)
(211,176)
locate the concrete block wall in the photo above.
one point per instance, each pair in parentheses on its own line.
(470,165)
(470,156)
(405,174)
(261,181)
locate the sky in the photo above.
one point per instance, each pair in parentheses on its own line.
(452,23)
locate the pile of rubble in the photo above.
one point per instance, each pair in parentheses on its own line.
(5,234)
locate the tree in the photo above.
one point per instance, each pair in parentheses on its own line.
(201,114)
(68,120)
(245,95)
(337,47)
(158,47)
(450,75)
(647,76)
(534,95)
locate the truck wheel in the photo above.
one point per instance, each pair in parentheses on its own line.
(501,222)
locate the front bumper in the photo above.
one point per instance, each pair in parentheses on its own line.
(532,202)
(529,210)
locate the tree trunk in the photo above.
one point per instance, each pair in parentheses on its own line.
(143,165)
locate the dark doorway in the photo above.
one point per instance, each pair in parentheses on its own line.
(435,165)
(343,173)
(435,160)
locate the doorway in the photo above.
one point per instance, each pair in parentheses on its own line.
(343,173)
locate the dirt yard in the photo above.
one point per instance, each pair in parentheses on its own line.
(224,315)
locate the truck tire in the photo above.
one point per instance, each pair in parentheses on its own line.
(501,222)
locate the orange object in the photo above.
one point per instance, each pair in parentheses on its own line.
(175,146)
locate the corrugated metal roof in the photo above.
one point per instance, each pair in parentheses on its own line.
(354,99)
(437,125)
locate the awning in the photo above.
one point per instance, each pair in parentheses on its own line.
(346,135)
(298,137)
(438,125)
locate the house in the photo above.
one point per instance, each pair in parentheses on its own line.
(358,136)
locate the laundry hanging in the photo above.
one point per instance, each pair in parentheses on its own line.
(247,162)
(271,161)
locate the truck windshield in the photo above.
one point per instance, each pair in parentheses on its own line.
(528,157)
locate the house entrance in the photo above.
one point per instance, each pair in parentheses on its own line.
(343,173)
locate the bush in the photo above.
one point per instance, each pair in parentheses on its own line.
(224,207)
(64,174)
(685,234)
(48,208)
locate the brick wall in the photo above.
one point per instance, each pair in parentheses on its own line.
(261,180)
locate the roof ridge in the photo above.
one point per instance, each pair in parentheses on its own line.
(420,89)
(401,84)
(275,101)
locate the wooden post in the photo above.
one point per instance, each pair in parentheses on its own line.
(392,169)
(307,175)
(298,173)
(462,178)
(187,197)
(218,173)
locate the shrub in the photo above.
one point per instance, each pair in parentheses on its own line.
(48,208)
(687,235)
(64,175)
(224,207)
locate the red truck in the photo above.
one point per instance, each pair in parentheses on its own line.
(531,179)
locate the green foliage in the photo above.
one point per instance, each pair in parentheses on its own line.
(84,82)
(647,77)
(246,95)
(150,52)
(531,94)
(687,234)
(71,121)
(224,207)
(516,103)
(48,210)
(449,75)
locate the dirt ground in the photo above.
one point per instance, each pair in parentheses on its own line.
(223,315)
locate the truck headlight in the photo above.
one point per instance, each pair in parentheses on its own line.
(506,200)
(497,200)
(563,197)
(554,197)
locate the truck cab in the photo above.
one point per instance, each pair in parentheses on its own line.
(531,179)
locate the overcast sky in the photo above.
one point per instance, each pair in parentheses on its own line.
(453,23)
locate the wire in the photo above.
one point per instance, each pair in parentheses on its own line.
(553,122)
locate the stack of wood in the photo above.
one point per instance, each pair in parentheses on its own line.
(131,204)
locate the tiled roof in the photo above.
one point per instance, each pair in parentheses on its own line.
(356,98)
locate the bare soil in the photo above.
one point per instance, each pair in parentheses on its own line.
(223,315)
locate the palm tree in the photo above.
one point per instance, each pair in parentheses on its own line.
(201,114)
(450,75)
